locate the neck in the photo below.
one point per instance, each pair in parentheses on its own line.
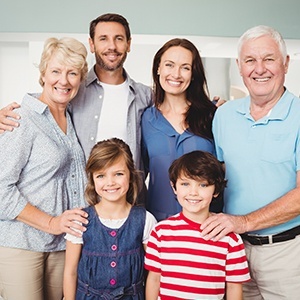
(260,107)
(110,77)
(113,210)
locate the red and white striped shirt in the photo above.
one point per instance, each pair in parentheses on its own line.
(191,267)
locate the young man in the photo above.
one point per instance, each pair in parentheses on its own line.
(181,264)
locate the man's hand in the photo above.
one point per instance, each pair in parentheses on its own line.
(218,101)
(7,124)
(219,225)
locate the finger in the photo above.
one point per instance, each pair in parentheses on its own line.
(11,106)
(8,125)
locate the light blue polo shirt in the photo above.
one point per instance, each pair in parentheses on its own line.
(261,157)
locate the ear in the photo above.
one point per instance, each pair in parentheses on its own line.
(173,187)
(158,71)
(128,46)
(216,195)
(238,65)
(91,43)
(286,65)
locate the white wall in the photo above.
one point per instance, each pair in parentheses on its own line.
(20,54)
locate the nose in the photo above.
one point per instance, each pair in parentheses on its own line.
(110,180)
(176,72)
(193,191)
(63,79)
(260,67)
(111,44)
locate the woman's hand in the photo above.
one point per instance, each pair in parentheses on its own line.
(69,222)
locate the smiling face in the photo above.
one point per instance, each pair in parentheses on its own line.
(61,82)
(194,196)
(110,45)
(175,70)
(112,183)
(262,68)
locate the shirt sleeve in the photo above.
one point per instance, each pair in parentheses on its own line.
(153,257)
(72,238)
(15,148)
(236,262)
(149,225)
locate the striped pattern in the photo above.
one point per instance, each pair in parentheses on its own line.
(190,267)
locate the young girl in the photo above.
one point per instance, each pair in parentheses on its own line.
(108,261)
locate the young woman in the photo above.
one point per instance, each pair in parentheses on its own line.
(179,122)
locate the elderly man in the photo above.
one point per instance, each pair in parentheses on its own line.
(258,139)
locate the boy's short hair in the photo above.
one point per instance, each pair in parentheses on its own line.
(199,165)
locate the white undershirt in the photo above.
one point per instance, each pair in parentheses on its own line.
(115,224)
(113,116)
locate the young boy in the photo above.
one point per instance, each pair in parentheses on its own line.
(181,264)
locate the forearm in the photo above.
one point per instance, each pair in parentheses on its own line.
(152,286)
(36,218)
(277,212)
(63,223)
(70,286)
(234,291)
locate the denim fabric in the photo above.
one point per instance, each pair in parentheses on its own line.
(112,260)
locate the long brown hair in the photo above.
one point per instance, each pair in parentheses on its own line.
(104,154)
(201,111)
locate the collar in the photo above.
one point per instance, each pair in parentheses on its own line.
(33,102)
(92,77)
(278,112)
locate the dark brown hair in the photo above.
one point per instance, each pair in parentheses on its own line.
(201,111)
(110,18)
(199,165)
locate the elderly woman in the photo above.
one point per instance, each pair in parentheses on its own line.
(42,179)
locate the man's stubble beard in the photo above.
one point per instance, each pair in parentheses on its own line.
(100,62)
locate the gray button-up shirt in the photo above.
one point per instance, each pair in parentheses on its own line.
(42,165)
(86,110)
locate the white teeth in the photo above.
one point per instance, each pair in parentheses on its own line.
(65,91)
(174,82)
(111,191)
(193,201)
(262,79)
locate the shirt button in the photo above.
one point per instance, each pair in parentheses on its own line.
(113,264)
(96,117)
(92,138)
(114,247)
(100,97)
(113,233)
(112,281)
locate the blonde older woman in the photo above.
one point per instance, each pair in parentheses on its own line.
(42,179)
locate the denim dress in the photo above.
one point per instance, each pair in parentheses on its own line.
(111,265)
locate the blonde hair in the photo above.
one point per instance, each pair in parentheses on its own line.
(104,154)
(70,52)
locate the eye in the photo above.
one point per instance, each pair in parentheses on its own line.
(186,68)
(184,184)
(249,61)
(99,176)
(73,74)
(203,185)
(55,71)
(119,174)
(169,65)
